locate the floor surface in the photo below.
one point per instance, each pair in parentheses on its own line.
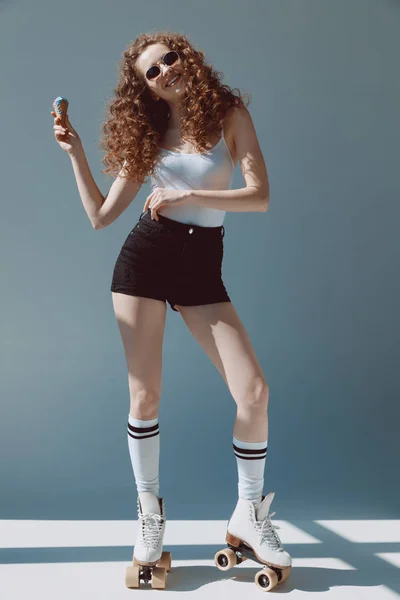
(64,559)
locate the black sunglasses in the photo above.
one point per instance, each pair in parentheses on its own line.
(168,59)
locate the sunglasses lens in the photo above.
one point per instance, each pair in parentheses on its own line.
(171,57)
(153,72)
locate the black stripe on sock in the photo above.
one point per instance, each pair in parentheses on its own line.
(251,457)
(142,437)
(142,429)
(249,451)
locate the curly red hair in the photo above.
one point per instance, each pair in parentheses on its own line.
(134,133)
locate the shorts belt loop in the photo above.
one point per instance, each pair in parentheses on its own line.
(222,230)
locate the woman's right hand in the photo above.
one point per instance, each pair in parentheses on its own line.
(67,138)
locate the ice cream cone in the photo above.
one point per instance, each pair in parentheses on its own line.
(60,106)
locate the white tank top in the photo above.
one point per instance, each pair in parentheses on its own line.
(209,170)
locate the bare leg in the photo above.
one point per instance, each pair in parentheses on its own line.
(220,332)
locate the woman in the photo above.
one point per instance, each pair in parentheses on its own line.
(174,120)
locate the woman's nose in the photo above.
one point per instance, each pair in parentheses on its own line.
(164,72)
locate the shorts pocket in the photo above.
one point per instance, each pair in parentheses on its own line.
(145,229)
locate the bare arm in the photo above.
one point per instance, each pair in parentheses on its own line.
(255,196)
(102,211)
(121,194)
(91,196)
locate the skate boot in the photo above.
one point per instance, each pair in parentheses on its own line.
(253,526)
(149,542)
(150,563)
(250,534)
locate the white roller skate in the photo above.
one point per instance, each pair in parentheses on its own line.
(250,534)
(150,563)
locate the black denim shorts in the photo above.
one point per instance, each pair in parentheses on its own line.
(171,261)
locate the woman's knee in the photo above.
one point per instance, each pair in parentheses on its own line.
(257,396)
(144,404)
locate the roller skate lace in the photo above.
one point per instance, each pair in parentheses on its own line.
(267,532)
(151,525)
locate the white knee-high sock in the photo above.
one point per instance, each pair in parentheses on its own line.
(144,450)
(250,457)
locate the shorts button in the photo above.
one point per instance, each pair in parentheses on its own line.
(191,230)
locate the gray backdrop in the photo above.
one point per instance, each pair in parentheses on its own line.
(314,280)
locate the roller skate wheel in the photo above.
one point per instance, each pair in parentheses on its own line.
(266,579)
(165,561)
(225,559)
(132,577)
(158,578)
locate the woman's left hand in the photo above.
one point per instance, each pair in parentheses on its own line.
(165,197)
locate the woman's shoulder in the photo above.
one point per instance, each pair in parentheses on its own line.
(233,114)
(230,122)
